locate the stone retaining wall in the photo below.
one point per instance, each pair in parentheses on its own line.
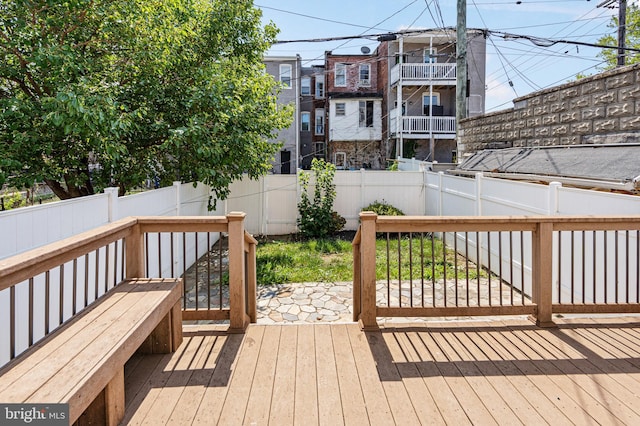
(603,108)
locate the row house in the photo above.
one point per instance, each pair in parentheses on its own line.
(287,70)
(421,92)
(361,111)
(312,115)
(354,103)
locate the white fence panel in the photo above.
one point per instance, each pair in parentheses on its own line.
(30,227)
(506,197)
(581,201)
(159,202)
(403,190)
(458,197)
(247,196)
(280,205)
(194,201)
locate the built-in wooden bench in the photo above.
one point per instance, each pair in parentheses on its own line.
(82,363)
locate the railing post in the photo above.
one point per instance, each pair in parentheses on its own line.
(542,273)
(251,278)
(357,280)
(134,249)
(368,268)
(238,317)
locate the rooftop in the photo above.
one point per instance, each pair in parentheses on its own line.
(605,166)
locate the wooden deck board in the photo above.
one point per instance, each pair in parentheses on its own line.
(329,404)
(506,372)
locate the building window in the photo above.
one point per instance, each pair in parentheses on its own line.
(305,86)
(340,160)
(285,75)
(340,108)
(366,114)
(430,55)
(341,75)
(319,150)
(429,100)
(405,58)
(305,120)
(365,75)
(319,121)
(320,86)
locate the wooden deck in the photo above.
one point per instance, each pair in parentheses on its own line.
(584,372)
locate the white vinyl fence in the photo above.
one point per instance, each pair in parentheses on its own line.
(449,195)
(30,227)
(271,202)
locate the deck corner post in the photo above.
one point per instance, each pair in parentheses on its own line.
(542,273)
(134,250)
(368,274)
(237,294)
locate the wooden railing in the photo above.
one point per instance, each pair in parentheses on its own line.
(478,266)
(45,287)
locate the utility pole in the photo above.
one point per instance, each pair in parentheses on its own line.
(622,26)
(461,65)
(622,30)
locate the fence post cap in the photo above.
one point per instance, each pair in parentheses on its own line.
(236,215)
(367,215)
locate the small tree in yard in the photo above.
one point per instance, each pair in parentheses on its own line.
(97,93)
(317,218)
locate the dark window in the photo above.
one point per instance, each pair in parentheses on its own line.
(366,114)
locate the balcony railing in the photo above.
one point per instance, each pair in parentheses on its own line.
(424,73)
(466,266)
(45,287)
(422,125)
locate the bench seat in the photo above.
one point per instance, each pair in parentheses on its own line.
(82,363)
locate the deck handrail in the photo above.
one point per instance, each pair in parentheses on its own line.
(62,278)
(609,277)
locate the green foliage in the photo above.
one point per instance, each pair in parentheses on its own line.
(111,92)
(317,218)
(331,260)
(322,260)
(382,208)
(632,38)
(13,200)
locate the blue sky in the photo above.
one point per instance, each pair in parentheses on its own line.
(527,66)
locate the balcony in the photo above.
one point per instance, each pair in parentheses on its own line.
(424,74)
(422,127)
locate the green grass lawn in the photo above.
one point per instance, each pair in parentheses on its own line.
(331,260)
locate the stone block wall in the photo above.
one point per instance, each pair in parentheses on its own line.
(603,108)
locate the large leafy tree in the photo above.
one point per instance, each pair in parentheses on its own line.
(96,93)
(632,38)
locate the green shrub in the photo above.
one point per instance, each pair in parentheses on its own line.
(317,218)
(382,208)
(13,201)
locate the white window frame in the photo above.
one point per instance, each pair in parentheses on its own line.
(363,118)
(340,70)
(366,82)
(286,70)
(318,149)
(343,108)
(306,114)
(320,86)
(427,95)
(429,55)
(305,83)
(319,128)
